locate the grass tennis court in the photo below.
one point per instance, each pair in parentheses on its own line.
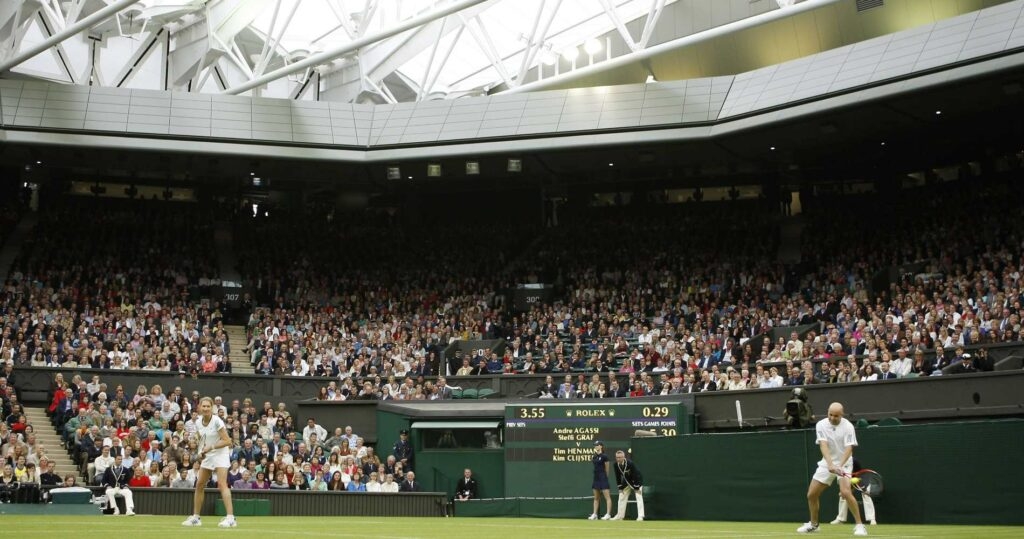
(449,528)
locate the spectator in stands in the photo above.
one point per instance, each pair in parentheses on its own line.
(243,482)
(8,485)
(796,377)
(138,478)
(884,372)
(154,473)
(165,477)
(261,482)
(234,472)
(387,485)
(373,483)
(869,373)
(356,483)
(982,361)
(180,480)
(102,462)
(318,483)
(466,369)
(312,428)
(280,482)
(410,484)
(567,390)
(337,482)
(49,478)
(299,482)
(441,389)
(548,390)
(964,366)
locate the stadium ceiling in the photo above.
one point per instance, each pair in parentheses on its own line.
(387,51)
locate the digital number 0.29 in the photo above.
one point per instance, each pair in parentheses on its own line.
(655,411)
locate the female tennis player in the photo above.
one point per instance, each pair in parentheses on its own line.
(214,456)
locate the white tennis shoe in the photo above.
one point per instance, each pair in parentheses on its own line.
(807,528)
(592,517)
(860,530)
(192,521)
(228,522)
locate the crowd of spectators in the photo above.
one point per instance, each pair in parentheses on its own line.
(154,433)
(956,249)
(366,299)
(642,291)
(115,284)
(648,292)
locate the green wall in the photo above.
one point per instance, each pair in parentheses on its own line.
(949,473)
(440,469)
(388,427)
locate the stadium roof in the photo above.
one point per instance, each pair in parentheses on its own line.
(386,51)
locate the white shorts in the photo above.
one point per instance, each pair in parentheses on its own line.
(822,475)
(216,459)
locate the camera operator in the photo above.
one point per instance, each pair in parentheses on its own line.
(798,413)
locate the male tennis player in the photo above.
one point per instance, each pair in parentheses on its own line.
(836,438)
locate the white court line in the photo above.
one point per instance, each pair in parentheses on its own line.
(682,532)
(677,531)
(289,533)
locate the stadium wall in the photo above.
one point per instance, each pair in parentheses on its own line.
(950,473)
(168,501)
(439,469)
(985,395)
(360,415)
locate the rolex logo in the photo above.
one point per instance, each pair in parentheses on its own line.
(568,413)
(611,412)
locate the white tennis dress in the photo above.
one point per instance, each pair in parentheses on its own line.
(208,436)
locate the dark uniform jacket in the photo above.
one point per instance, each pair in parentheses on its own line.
(627,474)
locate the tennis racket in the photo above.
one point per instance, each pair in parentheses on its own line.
(868,481)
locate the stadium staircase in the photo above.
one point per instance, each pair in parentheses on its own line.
(791,230)
(238,341)
(47,435)
(13,246)
(227,263)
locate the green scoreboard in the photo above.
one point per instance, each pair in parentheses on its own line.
(549,444)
